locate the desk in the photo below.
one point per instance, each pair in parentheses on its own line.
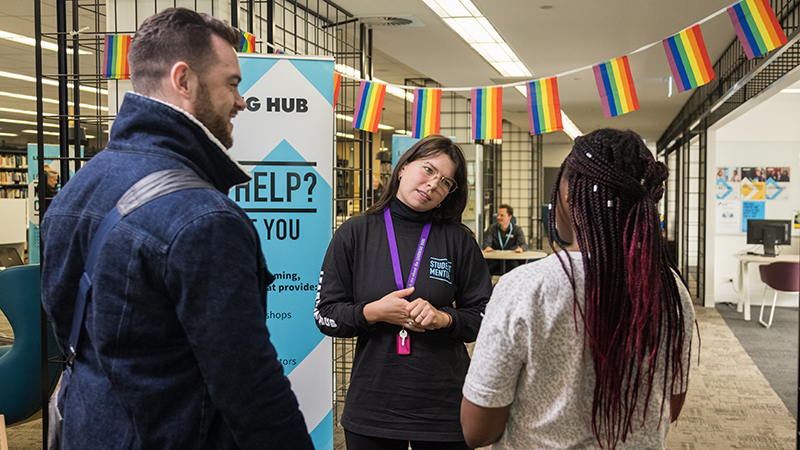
(743,283)
(505,255)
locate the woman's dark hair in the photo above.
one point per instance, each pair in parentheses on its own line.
(175,34)
(632,310)
(453,205)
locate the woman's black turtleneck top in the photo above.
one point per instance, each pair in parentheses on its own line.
(416,396)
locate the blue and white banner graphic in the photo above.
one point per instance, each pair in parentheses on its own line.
(284,139)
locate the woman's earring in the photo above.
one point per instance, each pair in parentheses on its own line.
(439,205)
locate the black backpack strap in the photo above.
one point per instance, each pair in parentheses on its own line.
(149,188)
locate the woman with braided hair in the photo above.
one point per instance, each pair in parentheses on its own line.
(589,347)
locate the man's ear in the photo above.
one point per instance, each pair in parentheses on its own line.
(181,80)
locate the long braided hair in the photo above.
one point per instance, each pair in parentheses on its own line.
(632,310)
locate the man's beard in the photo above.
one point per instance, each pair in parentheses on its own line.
(204,112)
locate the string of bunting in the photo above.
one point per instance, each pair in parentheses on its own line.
(754,21)
(757,29)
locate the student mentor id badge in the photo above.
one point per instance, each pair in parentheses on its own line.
(403,339)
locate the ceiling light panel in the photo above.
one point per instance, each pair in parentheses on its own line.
(475,29)
(28,122)
(48,100)
(49,82)
(13,37)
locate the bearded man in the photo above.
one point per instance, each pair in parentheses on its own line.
(175,352)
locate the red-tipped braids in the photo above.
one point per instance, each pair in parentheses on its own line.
(632,311)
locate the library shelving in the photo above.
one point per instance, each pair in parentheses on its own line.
(13,173)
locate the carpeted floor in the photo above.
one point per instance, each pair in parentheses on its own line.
(730,404)
(773,350)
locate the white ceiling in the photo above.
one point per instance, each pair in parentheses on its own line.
(570,35)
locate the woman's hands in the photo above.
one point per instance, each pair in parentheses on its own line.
(418,315)
(425,316)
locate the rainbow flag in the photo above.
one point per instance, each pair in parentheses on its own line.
(615,85)
(688,59)
(757,27)
(487,113)
(247,42)
(544,107)
(369,106)
(337,81)
(427,107)
(115,57)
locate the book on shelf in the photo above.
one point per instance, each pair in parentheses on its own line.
(7,192)
(8,161)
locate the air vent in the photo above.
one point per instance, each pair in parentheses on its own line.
(404,20)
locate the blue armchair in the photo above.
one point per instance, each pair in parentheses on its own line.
(20,363)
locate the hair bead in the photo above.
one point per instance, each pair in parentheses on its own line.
(610,203)
(595,188)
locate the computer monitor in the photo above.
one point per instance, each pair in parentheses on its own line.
(770,233)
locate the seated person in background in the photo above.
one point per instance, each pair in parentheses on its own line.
(503,235)
(51,188)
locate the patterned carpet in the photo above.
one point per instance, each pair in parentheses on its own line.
(730,404)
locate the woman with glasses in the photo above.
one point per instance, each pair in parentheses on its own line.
(408,279)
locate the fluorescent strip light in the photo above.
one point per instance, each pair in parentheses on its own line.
(49,82)
(9,134)
(345,135)
(475,29)
(19,111)
(27,122)
(350,119)
(404,94)
(49,100)
(46,133)
(453,8)
(570,128)
(32,42)
(791,91)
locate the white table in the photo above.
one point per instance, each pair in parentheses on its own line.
(743,283)
(506,255)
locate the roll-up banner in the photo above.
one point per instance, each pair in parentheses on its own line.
(284,139)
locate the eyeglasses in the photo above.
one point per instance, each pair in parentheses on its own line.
(431,173)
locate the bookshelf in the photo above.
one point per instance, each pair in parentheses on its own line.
(13,173)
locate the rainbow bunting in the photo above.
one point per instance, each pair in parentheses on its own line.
(115,59)
(615,85)
(427,106)
(544,107)
(247,42)
(369,106)
(337,81)
(688,59)
(757,27)
(487,113)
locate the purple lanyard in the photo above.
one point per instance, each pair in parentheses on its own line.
(398,272)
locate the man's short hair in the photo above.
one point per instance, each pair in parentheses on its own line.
(175,34)
(508,209)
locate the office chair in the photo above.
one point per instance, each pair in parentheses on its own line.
(20,363)
(781,277)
